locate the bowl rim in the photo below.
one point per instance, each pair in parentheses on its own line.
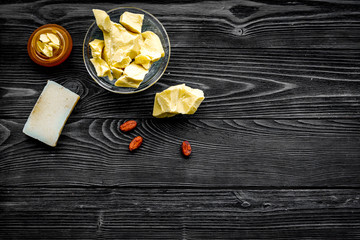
(135,91)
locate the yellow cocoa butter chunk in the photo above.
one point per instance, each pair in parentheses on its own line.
(48,42)
(106,55)
(54,46)
(53,38)
(102,20)
(125,81)
(45,49)
(146,65)
(160,107)
(120,59)
(136,47)
(117,72)
(40,45)
(97,47)
(138,43)
(179,99)
(132,21)
(133,75)
(169,98)
(102,68)
(152,41)
(190,99)
(44,38)
(120,36)
(135,71)
(148,50)
(125,40)
(143,60)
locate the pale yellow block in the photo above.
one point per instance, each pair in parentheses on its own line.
(127,37)
(101,67)
(132,21)
(44,38)
(120,36)
(97,47)
(143,60)
(40,45)
(146,65)
(132,52)
(135,71)
(102,20)
(46,49)
(157,110)
(125,81)
(148,49)
(110,76)
(165,103)
(160,109)
(154,41)
(138,43)
(54,46)
(191,100)
(53,38)
(179,99)
(125,40)
(50,113)
(106,55)
(120,59)
(168,99)
(148,34)
(117,72)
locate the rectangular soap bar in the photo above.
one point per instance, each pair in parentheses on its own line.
(50,113)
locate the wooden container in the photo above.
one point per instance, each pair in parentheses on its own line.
(60,55)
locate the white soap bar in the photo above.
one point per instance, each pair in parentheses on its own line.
(50,113)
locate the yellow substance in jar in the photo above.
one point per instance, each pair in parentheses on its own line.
(177,99)
(48,43)
(127,52)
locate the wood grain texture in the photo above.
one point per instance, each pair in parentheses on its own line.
(82,213)
(233,153)
(209,24)
(242,83)
(275,143)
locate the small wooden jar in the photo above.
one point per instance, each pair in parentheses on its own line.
(59,55)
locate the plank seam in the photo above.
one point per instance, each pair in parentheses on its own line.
(189,187)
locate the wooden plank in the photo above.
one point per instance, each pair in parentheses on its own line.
(242,83)
(233,153)
(89,213)
(209,24)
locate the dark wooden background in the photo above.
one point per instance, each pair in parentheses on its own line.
(276,143)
